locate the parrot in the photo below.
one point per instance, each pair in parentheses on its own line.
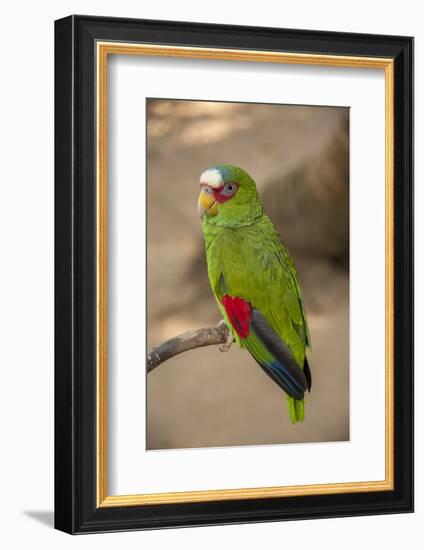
(254,281)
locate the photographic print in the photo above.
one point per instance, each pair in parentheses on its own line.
(233,265)
(247,250)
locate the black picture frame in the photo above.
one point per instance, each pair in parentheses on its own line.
(76,509)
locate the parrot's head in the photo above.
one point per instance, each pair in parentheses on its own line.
(228,197)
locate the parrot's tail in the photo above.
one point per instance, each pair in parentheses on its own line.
(297,406)
(296,409)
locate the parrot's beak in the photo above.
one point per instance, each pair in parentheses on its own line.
(207,204)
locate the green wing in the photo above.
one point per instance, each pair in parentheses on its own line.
(252,263)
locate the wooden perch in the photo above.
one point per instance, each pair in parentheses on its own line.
(189,340)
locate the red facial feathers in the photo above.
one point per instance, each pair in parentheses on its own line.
(225,192)
(239,313)
(218,197)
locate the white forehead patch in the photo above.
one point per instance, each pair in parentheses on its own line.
(212,177)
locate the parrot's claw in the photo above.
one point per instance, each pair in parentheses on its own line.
(230,339)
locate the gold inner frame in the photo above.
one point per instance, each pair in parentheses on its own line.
(104,49)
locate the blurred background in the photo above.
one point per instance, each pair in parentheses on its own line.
(299,158)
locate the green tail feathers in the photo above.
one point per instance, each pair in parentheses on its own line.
(296,409)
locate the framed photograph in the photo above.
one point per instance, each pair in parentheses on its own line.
(234,274)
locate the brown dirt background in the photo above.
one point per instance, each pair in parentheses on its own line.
(298,156)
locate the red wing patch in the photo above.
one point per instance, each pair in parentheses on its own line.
(239,313)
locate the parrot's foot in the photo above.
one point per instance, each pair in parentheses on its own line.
(230,339)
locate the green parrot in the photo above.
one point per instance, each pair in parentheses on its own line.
(254,280)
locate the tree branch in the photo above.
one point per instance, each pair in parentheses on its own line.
(184,342)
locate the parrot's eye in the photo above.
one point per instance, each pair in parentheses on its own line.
(229,189)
